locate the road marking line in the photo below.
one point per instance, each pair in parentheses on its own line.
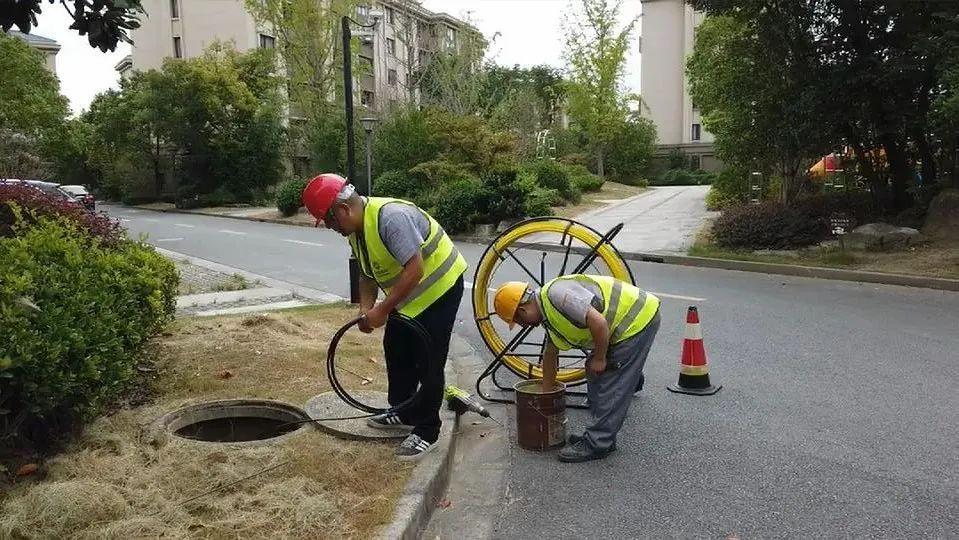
(168,239)
(125,220)
(228,231)
(302,242)
(151,220)
(185,226)
(678,297)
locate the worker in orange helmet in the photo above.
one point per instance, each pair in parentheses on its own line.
(404,252)
(614,320)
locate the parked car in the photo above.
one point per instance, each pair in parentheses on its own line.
(81,194)
(50,188)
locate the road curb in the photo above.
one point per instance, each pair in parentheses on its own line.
(836,274)
(430,478)
(228,216)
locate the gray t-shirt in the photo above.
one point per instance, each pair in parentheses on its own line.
(403,229)
(574,298)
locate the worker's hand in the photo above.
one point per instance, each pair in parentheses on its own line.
(374,318)
(364,325)
(596,366)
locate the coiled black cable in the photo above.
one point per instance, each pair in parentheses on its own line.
(340,391)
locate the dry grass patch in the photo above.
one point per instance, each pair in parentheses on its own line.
(113,483)
(611,191)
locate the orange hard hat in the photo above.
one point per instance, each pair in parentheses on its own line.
(508,298)
(321,192)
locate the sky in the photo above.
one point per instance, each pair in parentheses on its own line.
(529,33)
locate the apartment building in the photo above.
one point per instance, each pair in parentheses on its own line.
(48,47)
(406,35)
(668,34)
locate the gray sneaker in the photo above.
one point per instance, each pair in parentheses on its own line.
(387,421)
(413,448)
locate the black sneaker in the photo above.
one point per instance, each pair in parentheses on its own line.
(413,448)
(580,452)
(573,439)
(390,421)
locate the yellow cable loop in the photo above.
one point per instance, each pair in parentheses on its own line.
(488,265)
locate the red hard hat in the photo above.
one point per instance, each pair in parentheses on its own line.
(320,193)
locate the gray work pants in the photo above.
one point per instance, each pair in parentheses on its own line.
(611,392)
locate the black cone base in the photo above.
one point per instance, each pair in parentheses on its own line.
(695,385)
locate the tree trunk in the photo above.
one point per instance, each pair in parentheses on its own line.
(600,161)
(929,171)
(157,175)
(877,184)
(899,172)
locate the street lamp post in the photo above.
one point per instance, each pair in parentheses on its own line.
(369,123)
(354,270)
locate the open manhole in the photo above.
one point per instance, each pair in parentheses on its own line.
(244,421)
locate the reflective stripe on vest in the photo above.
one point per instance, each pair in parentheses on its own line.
(626,308)
(442,262)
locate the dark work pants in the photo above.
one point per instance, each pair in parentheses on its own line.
(409,365)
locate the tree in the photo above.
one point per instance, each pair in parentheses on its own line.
(214,120)
(104,22)
(632,149)
(20,156)
(872,72)
(596,58)
(453,79)
(30,94)
(542,86)
(754,99)
(310,55)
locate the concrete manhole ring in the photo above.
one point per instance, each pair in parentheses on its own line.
(239,422)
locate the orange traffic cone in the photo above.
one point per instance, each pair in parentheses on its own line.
(693,367)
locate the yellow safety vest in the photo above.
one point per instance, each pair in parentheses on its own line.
(442,262)
(626,308)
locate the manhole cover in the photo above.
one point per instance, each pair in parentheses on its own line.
(234,421)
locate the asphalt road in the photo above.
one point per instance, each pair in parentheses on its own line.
(838,417)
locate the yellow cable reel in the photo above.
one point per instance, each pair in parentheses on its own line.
(531,233)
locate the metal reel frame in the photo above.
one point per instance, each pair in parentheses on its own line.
(600,246)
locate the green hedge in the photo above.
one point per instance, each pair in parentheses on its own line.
(683,177)
(97,306)
(289,196)
(771,225)
(458,205)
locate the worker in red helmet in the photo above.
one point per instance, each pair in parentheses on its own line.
(404,252)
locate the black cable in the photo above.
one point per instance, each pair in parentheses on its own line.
(341,392)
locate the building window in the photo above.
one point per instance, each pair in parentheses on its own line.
(267,42)
(695,162)
(450,36)
(390,15)
(694,133)
(177,48)
(410,57)
(424,58)
(366,98)
(391,46)
(363,12)
(391,77)
(174,9)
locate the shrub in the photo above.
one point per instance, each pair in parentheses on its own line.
(403,140)
(503,197)
(458,205)
(719,200)
(552,175)
(34,204)
(630,152)
(588,183)
(579,159)
(397,184)
(540,200)
(731,186)
(289,196)
(771,225)
(683,177)
(97,306)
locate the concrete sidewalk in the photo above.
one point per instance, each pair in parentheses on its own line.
(661,220)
